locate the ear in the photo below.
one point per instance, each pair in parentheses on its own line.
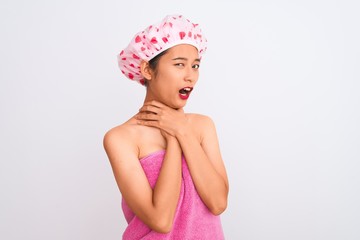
(145,70)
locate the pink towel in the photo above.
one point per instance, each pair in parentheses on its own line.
(193,220)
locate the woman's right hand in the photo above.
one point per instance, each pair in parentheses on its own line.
(172,121)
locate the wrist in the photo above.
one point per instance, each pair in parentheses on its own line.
(184,132)
(172,141)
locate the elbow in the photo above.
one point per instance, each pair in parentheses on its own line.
(219,208)
(162,227)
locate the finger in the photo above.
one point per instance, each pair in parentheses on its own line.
(148,123)
(149,108)
(147,116)
(156,104)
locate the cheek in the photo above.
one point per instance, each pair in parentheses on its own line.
(169,75)
(196,76)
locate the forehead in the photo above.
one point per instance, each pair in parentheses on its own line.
(183,50)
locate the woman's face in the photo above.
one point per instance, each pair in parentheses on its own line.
(176,75)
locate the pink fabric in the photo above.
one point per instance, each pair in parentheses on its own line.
(193,220)
(145,45)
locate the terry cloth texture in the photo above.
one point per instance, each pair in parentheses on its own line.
(193,220)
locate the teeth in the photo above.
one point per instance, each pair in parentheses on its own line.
(185,90)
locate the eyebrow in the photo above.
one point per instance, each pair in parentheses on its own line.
(185,59)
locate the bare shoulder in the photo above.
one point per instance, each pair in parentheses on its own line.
(203,126)
(201,121)
(119,133)
(121,139)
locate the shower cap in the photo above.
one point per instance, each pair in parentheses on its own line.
(155,39)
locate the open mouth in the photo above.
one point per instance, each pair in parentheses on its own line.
(185,91)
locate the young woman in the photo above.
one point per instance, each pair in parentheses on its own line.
(166,162)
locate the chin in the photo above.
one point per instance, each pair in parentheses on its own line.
(177,105)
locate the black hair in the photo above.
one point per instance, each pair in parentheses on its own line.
(153,64)
(154,61)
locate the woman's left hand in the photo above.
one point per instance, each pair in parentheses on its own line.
(156,114)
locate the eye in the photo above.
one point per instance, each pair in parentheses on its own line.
(196,66)
(179,64)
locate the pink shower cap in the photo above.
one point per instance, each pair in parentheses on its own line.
(172,30)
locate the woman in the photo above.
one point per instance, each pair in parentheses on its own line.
(166,162)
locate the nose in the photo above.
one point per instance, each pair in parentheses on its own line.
(192,75)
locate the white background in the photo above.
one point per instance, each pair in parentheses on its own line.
(280,79)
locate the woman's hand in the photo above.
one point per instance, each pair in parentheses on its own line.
(170,121)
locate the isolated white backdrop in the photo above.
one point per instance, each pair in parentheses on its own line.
(280,79)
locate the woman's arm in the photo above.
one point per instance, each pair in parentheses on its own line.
(205,163)
(155,207)
(199,143)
